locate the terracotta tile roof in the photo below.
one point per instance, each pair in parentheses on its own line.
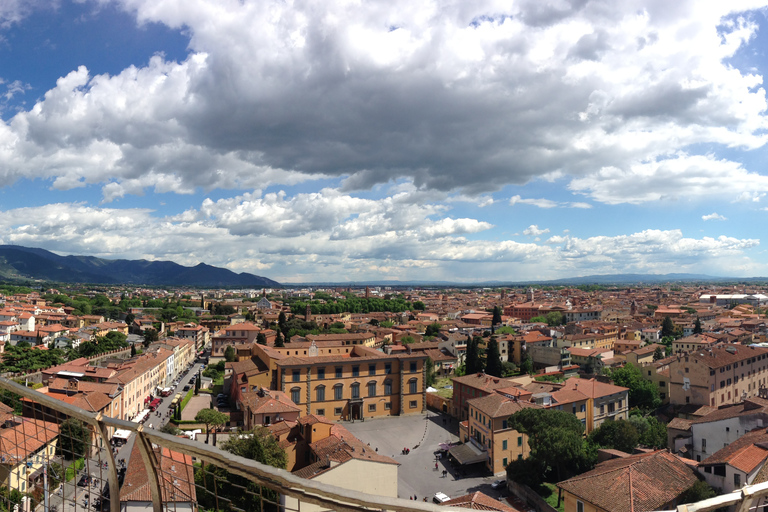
(176,482)
(497,406)
(278,403)
(479,501)
(680,424)
(638,483)
(734,452)
(724,355)
(752,405)
(567,396)
(592,388)
(482,381)
(20,441)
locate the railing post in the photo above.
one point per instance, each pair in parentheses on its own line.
(114,486)
(151,465)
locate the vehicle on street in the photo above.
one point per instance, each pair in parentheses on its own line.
(440,497)
(186,388)
(498,484)
(85,480)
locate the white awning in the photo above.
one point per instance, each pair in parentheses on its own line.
(121,434)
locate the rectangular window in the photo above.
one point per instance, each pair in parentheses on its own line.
(579,506)
(387,387)
(355,371)
(704,445)
(388,368)
(338,392)
(320,373)
(412,386)
(296,375)
(355,390)
(413,366)
(602,409)
(504,424)
(338,372)
(371,389)
(320,412)
(520,441)
(321,394)
(295,395)
(412,404)
(737,480)
(371,407)
(371,369)
(337,411)
(504,444)
(504,462)
(387,406)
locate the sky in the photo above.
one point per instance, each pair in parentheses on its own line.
(350,141)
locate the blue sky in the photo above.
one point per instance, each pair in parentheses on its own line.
(476,141)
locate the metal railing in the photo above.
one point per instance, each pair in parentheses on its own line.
(216,480)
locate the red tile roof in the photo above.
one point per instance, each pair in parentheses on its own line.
(641,482)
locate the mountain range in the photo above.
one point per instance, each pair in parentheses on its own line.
(28,263)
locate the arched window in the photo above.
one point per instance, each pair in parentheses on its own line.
(320,393)
(338,392)
(412,386)
(372,388)
(296,395)
(355,390)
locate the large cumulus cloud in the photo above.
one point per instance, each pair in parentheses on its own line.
(462,96)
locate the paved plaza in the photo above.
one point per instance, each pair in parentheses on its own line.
(422,433)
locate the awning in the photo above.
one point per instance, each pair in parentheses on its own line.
(467,454)
(122,434)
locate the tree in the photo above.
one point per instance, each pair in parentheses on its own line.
(667,327)
(281,320)
(418,305)
(658,354)
(697,327)
(526,365)
(555,318)
(197,385)
(259,445)
(150,335)
(373,322)
(133,350)
(407,339)
(211,418)
(539,320)
(261,339)
(170,428)
(493,358)
(430,367)
(654,433)
(496,320)
(699,491)
(618,435)
(555,439)
(432,329)
(279,340)
(230,354)
(73,439)
(642,393)
(508,369)
(474,364)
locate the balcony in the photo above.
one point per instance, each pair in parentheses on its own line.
(180,474)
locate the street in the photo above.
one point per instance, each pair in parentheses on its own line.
(71,498)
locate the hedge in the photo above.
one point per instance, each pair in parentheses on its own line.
(187,398)
(72,469)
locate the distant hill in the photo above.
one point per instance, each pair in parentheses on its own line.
(18,262)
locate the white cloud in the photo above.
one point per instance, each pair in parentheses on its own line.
(429,249)
(533,230)
(276,92)
(713,216)
(541,203)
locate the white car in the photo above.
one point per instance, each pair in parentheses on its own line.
(440,497)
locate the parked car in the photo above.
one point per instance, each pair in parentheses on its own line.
(440,497)
(186,388)
(85,481)
(498,484)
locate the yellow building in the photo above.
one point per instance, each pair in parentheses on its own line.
(347,382)
(487,431)
(24,450)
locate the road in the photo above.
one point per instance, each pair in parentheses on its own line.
(71,498)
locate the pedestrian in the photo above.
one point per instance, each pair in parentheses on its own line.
(435,466)
(415,498)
